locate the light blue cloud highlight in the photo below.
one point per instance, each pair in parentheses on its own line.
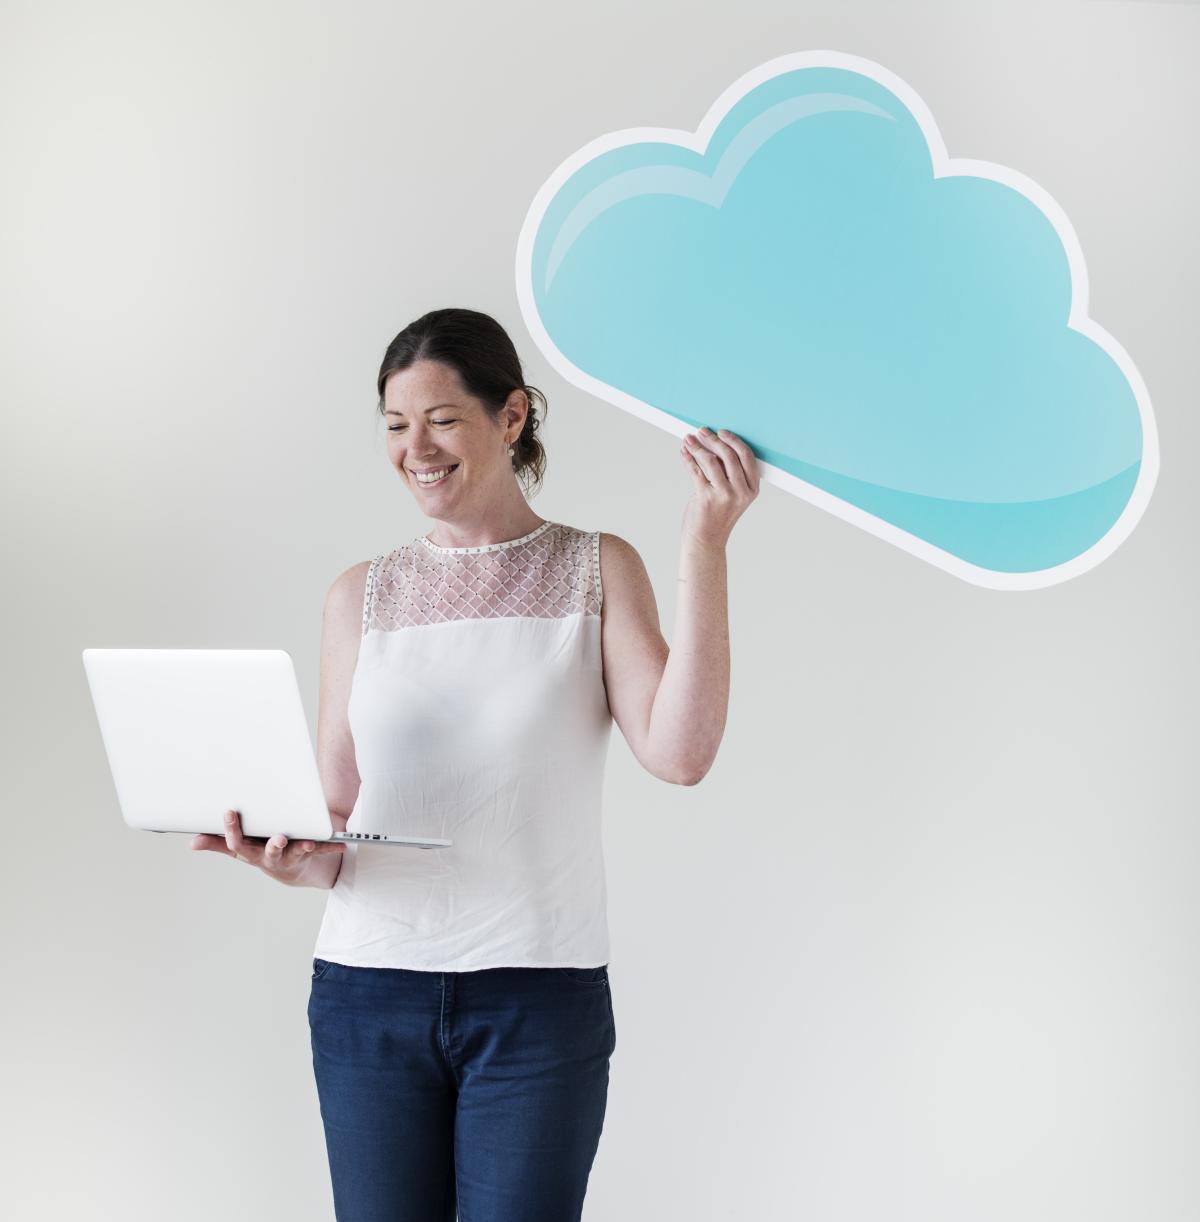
(897,340)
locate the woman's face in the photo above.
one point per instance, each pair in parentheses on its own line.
(434,424)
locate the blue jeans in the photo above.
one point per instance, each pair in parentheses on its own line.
(482,1092)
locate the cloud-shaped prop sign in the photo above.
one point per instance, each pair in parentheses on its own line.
(902,338)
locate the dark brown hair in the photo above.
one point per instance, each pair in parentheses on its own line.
(477,347)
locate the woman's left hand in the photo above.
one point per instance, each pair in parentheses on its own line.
(725,473)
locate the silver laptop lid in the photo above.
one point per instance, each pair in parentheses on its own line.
(192,733)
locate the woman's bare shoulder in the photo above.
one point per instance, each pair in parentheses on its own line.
(344,601)
(619,553)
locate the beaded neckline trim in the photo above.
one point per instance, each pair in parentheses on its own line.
(489,547)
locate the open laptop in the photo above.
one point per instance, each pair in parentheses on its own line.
(192,733)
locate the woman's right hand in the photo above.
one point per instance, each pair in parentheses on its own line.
(289,863)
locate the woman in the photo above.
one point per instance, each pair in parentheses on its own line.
(460,1010)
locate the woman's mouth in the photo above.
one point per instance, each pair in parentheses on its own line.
(434,477)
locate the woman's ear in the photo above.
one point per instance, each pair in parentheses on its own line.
(518,407)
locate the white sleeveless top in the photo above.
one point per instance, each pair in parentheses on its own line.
(479,715)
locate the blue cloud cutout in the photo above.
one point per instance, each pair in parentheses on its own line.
(902,338)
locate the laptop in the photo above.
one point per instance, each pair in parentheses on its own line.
(192,733)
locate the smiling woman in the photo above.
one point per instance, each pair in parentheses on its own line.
(461,421)
(469,681)
(470,697)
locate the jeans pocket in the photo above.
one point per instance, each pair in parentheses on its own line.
(320,967)
(585,975)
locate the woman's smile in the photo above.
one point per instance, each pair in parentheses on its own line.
(434,475)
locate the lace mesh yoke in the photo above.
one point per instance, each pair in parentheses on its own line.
(550,573)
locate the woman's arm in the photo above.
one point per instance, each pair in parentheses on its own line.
(341,633)
(687,720)
(671,704)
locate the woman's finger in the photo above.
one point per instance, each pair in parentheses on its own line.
(276,853)
(297,852)
(731,460)
(213,843)
(705,460)
(244,848)
(747,455)
(708,457)
(233,831)
(694,469)
(272,856)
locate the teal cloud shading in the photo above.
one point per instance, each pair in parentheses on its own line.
(902,338)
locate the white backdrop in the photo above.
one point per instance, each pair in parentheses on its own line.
(921,946)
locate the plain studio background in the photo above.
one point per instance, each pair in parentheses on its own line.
(923,943)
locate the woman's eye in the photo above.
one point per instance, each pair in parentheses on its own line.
(396,428)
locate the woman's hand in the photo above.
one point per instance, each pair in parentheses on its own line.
(289,863)
(725,472)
